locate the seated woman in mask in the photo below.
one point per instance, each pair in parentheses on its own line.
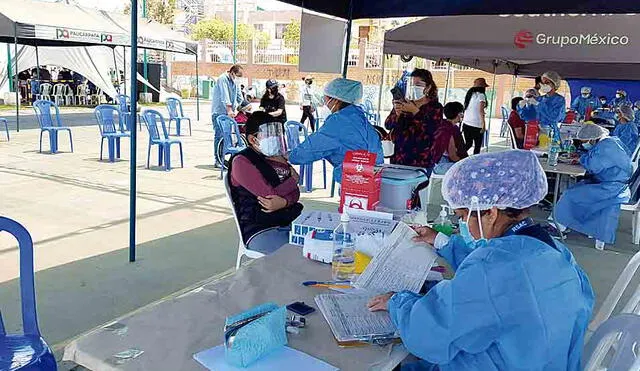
(518,300)
(345,129)
(264,186)
(592,206)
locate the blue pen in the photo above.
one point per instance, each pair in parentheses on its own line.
(313,283)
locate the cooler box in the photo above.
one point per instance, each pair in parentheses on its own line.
(398,185)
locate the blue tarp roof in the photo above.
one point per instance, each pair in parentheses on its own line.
(419,8)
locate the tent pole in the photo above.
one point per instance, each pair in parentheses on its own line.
(145,69)
(235,30)
(348,39)
(197,90)
(124,68)
(9,67)
(38,62)
(514,81)
(493,86)
(380,91)
(134,132)
(115,65)
(446,85)
(16,83)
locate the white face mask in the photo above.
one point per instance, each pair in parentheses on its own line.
(270,146)
(618,96)
(418,92)
(585,95)
(545,88)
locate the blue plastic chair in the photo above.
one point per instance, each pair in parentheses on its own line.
(6,127)
(47,124)
(26,351)
(161,139)
(106,117)
(292,131)
(505,121)
(124,103)
(228,145)
(174,106)
(370,112)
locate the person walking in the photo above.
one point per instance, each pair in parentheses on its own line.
(474,125)
(306,95)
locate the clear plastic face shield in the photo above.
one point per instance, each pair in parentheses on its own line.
(416,89)
(271,141)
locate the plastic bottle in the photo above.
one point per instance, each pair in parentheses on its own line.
(554,153)
(343,262)
(443,224)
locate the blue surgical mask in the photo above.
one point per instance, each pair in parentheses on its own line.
(616,117)
(587,146)
(270,146)
(466,235)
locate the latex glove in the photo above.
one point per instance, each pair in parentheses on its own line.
(522,103)
(533,102)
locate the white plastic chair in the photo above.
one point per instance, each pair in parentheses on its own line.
(242,249)
(58,94)
(81,94)
(512,137)
(613,345)
(612,299)
(96,98)
(45,92)
(69,98)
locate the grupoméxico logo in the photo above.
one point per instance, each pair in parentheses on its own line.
(523,38)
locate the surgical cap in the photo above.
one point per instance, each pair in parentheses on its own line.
(508,179)
(533,92)
(346,90)
(637,104)
(585,90)
(626,112)
(590,131)
(620,91)
(554,77)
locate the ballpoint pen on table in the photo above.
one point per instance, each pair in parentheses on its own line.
(328,284)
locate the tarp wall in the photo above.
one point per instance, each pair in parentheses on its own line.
(606,87)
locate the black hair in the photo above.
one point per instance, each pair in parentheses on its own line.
(427,77)
(515,101)
(452,110)
(235,68)
(509,212)
(470,92)
(602,97)
(255,120)
(538,80)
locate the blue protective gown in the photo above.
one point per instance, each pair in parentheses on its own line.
(528,112)
(551,110)
(580,104)
(617,102)
(345,130)
(592,206)
(515,303)
(628,135)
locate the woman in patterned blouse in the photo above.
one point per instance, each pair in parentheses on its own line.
(413,122)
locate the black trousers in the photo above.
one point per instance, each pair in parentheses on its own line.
(473,137)
(306,113)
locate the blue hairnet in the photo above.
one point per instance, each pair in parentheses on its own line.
(511,179)
(590,131)
(346,90)
(585,90)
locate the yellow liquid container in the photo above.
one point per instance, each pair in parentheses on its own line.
(543,140)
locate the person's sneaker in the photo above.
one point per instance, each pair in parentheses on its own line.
(599,245)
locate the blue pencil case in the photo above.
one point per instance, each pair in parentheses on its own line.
(250,335)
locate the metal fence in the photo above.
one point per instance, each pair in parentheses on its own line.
(222,51)
(286,53)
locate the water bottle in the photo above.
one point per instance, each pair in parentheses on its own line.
(343,262)
(554,152)
(442,224)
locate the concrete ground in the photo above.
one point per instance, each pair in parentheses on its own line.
(77,210)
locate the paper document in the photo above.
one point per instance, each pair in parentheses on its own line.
(282,359)
(350,319)
(401,264)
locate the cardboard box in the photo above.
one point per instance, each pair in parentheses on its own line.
(361,180)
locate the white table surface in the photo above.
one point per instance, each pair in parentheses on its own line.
(171,331)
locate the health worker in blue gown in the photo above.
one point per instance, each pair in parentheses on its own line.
(518,300)
(592,206)
(584,101)
(636,112)
(626,129)
(620,99)
(527,107)
(346,128)
(550,107)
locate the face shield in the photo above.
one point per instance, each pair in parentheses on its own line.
(415,91)
(271,140)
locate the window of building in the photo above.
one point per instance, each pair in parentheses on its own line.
(259,27)
(280,27)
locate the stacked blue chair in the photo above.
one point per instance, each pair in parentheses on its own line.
(370,112)
(228,145)
(6,127)
(174,106)
(106,116)
(124,103)
(292,130)
(505,121)
(26,351)
(49,125)
(160,138)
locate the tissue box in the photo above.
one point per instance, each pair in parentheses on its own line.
(318,246)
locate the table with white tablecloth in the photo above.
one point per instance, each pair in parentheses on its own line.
(171,331)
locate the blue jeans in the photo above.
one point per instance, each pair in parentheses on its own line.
(217,137)
(269,240)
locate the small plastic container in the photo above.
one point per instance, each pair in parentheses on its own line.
(398,184)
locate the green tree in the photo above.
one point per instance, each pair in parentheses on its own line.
(161,11)
(218,30)
(292,32)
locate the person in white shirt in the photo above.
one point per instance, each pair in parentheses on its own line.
(473,125)
(306,96)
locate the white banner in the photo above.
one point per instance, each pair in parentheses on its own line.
(80,36)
